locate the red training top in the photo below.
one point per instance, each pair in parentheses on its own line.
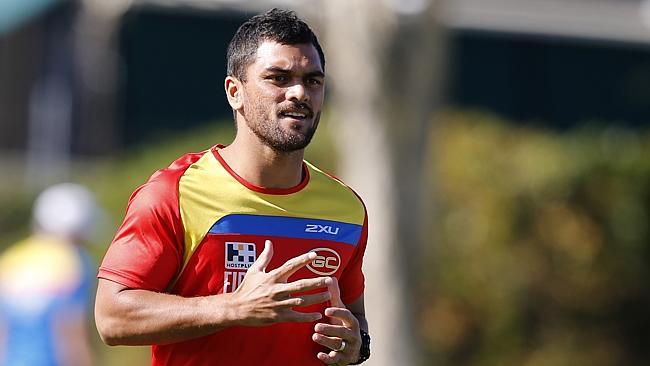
(195,228)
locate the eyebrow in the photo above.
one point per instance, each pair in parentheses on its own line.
(315,74)
(280,70)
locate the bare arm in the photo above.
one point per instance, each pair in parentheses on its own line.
(127,316)
(138,317)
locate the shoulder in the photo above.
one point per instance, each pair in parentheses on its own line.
(162,186)
(163,178)
(335,188)
(330,181)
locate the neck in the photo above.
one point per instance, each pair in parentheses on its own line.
(261,165)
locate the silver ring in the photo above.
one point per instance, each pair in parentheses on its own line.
(340,349)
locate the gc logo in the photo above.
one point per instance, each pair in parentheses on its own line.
(326,263)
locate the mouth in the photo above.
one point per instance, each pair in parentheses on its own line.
(297,114)
(294,115)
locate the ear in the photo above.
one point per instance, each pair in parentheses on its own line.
(234,92)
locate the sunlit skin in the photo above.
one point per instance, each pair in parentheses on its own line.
(284,79)
(267,151)
(269,147)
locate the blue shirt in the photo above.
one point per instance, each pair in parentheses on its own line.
(41,281)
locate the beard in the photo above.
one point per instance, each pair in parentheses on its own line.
(271,133)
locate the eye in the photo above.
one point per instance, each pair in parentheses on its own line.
(314,81)
(278,78)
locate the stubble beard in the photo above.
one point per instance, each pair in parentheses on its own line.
(271,134)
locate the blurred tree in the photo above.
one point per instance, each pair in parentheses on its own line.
(384,60)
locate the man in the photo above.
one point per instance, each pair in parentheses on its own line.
(245,254)
(46,281)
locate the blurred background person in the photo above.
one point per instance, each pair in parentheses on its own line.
(46,281)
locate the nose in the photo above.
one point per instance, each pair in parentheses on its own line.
(297,92)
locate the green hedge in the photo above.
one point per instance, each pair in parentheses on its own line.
(540,252)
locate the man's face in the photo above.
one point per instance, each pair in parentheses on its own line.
(283,95)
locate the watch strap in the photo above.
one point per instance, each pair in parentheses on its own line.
(364,352)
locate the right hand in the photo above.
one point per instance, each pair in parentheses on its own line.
(265,297)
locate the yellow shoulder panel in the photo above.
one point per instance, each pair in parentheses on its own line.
(208,192)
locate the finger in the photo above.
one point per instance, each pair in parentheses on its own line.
(336,293)
(335,331)
(333,343)
(304,285)
(298,317)
(330,358)
(264,259)
(293,265)
(344,315)
(306,300)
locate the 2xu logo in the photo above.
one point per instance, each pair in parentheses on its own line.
(315,228)
(326,263)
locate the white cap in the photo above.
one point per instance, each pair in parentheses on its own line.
(66,210)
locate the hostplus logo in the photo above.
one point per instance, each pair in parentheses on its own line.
(239,258)
(240,255)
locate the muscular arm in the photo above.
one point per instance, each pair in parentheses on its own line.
(127,316)
(139,317)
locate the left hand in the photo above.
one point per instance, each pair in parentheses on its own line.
(343,327)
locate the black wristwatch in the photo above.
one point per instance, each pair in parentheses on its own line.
(364,353)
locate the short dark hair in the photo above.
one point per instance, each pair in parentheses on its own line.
(282,26)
